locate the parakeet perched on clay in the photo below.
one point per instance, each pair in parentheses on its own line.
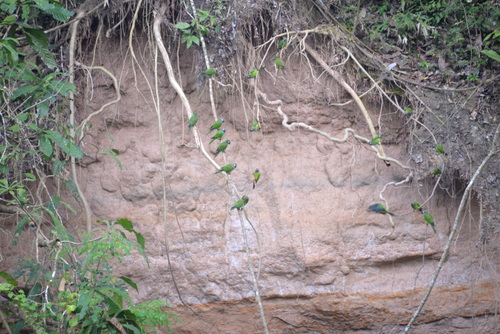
(279,63)
(429,220)
(253,73)
(218,135)
(282,44)
(216,125)
(239,204)
(222,147)
(255,126)
(210,72)
(227,168)
(256,177)
(375,140)
(192,121)
(379,208)
(440,149)
(416,206)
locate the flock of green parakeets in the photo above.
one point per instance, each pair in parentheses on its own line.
(239,204)
(379,208)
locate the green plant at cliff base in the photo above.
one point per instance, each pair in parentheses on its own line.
(78,293)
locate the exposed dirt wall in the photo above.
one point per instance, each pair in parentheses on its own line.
(327,263)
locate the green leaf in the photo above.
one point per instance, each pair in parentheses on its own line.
(30,177)
(182,26)
(4,169)
(126,224)
(131,327)
(11,53)
(8,5)
(111,152)
(34,292)
(194,39)
(73,322)
(39,41)
(129,282)
(58,166)
(18,327)
(203,15)
(43,108)
(61,231)
(21,224)
(9,20)
(15,128)
(32,126)
(495,34)
(24,91)
(55,9)
(22,117)
(9,279)
(66,145)
(84,302)
(74,190)
(45,145)
(492,54)
(26,12)
(54,203)
(63,87)
(140,240)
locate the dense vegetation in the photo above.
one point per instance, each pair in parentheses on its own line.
(70,286)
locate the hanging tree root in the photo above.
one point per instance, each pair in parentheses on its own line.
(185,101)
(116,100)
(187,106)
(71,68)
(456,224)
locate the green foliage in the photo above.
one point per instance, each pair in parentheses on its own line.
(34,312)
(492,54)
(206,22)
(457,29)
(80,293)
(71,287)
(152,314)
(34,137)
(32,100)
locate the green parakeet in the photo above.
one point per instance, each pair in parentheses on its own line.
(210,72)
(408,111)
(218,135)
(416,206)
(279,63)
(216,125)
(256,177)
(436,172)
(253,73)
(227,168)
(429,220)
(375,140)
(282,44)
(440,149)
(222,147)
(255,126)
(379,208)
(239,204)
(192,121)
